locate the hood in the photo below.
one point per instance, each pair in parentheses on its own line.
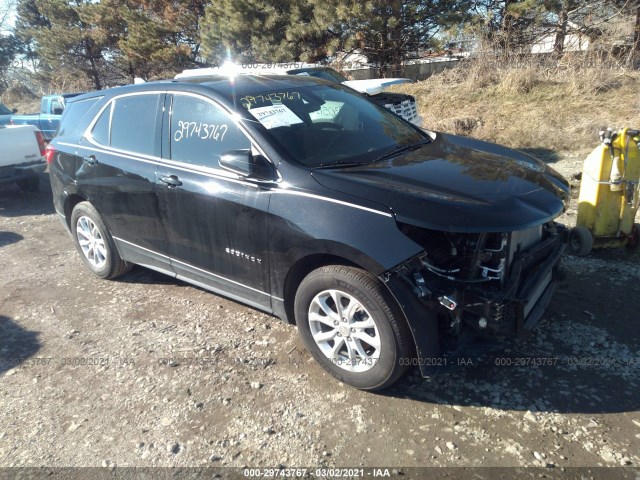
(458,184)
(374,86)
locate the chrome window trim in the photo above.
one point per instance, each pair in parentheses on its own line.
(181,165)
(112,100)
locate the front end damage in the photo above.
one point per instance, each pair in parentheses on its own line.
(462,285)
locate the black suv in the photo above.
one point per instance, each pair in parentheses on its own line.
(384,243)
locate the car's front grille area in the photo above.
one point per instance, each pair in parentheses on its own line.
(531,258)
(522,240)
(406,109)
(526,263)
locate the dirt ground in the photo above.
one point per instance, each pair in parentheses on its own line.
(149,371)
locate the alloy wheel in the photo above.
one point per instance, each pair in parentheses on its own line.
(344,331)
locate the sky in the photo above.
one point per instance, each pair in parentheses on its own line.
(10,18)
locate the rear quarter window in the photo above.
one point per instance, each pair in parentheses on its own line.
(100,131)
(75,113)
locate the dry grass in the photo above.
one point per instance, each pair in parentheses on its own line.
(27,89)
(527,104)
(20,97)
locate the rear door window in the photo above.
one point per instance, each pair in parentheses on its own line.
(130,123)
(200,132)
(134,123)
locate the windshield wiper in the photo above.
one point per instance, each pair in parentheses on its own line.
(400,149)
(392,152)
(340,164)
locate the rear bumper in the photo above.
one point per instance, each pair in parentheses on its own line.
(22,171)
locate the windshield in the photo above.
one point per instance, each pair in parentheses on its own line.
(326,125)
(4,110)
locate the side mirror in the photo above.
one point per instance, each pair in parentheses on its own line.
(15,110)
(243,163)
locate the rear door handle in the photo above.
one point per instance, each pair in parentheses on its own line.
(91,160)
(172,181)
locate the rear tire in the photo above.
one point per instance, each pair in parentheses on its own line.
(95,244)
(30,184)
(352,327)
(580,241)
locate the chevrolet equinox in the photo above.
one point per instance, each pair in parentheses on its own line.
(384,243)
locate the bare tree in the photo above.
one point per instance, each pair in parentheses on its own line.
(7,9)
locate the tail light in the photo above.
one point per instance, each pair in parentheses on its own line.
(49,153)
(41,144)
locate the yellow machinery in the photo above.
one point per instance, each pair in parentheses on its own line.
(609,194)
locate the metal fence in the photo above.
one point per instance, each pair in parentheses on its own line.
(414,71)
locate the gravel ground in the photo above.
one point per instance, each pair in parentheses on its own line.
(148,371)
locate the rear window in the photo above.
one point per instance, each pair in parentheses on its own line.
(74,114)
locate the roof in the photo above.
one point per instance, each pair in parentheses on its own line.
(222,86)
(247,69)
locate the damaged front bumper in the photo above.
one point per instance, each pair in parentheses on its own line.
(443,311)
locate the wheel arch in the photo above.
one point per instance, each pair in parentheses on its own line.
(420,320)
(69,204)
(300,269)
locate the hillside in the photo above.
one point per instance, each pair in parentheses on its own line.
(550,111)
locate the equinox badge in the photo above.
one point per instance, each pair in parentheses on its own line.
(238,253)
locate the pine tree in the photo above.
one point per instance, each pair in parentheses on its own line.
(263,31)
(9,47)
(61,37)
(390,31)
(311,30)
(155,38)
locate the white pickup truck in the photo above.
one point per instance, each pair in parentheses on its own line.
(22,160)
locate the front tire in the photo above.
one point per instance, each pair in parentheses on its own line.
(95,244)
(352,327)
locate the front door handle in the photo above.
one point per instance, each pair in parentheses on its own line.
(91,160)
(172,181)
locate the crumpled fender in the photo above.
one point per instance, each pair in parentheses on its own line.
(422,321)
